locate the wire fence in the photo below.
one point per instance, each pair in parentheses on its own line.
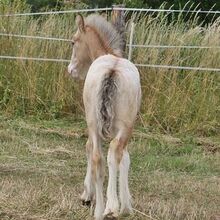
(166,10)
(34,59)
(56,12)
(173,46)
(34,37)
(110,9)
(136,64)
(130,45)
(179,67)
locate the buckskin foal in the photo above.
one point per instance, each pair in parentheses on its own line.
(112,96)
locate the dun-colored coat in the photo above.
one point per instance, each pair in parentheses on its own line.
(112,96)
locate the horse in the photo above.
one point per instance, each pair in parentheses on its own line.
(111,97)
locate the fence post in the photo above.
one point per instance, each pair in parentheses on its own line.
(118,20)
(131,41)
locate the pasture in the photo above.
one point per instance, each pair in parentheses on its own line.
(43,166)
(175,147)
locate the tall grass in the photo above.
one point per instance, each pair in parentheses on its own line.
(173,100)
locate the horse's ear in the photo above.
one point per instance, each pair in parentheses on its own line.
(80,22)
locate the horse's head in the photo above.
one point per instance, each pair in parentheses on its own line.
(80,60)
(94,37)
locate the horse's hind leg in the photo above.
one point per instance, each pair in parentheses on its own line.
(112,205)
(89,189)
(125,197)
(98,175)
(118,159)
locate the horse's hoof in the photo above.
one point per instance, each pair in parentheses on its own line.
(125,212)
(86,203)
(110,216)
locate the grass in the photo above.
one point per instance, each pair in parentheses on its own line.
(175,149)
(43,165)
(174,101)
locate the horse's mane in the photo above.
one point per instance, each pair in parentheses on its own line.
(107,32)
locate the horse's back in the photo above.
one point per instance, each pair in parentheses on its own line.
(128,95)
(126,72)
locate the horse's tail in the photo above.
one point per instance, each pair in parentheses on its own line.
(106,109)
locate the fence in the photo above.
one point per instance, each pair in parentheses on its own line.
(130,45)
(110,9)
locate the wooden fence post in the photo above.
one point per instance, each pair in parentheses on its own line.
(118,20)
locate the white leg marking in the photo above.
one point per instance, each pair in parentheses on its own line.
(112,204)
(125,197)
(99,208)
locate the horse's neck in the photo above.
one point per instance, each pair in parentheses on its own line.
(96,48)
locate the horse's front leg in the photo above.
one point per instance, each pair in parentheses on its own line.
(89,189)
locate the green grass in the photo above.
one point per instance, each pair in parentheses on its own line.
(43,163)
(175,149)
(174,101)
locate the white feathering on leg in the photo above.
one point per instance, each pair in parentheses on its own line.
(125,197)
(112,204)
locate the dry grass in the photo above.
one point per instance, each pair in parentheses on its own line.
(173,100)
(42,168)
(42,163)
